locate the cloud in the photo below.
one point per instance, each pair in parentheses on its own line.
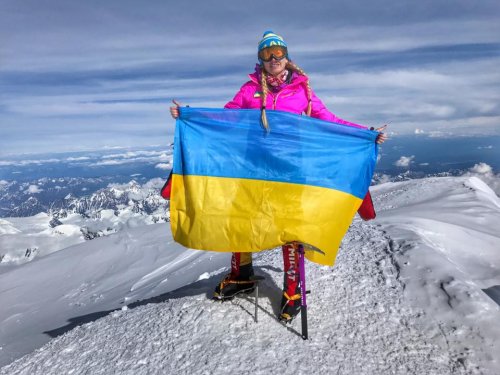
(110,162)
(135,154)
(442,96)
(481,168)
(81,158)
(419,131)
(164,166)
(404,161)
(382,178)
(485,173)
(20,163)
(428,65)
(130,157)
(33,189)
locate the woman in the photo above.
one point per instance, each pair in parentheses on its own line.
(276,84)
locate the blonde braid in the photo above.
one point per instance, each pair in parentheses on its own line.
(292,66)
(263,83)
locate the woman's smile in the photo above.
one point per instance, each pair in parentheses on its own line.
(275,67)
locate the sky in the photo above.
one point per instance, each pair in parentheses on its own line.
(92,75)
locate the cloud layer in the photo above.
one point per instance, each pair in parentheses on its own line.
(93,74)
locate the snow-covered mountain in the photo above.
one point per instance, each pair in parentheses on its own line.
(77,219)
(77,195)
(413,292)
(28,198)
(144,199)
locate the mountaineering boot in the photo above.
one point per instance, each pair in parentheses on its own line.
(290,302)
(239,280)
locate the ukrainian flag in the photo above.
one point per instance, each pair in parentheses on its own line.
(236,187)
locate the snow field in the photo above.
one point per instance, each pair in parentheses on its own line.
(405,297)
(358,324)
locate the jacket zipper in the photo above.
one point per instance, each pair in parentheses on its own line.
(275,98)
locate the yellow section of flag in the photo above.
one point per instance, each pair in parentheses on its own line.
(245,215)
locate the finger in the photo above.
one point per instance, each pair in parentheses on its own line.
(176,102)
(381,138)
(174,112)
(381,128)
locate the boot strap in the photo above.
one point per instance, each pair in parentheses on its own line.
(293,297)
(227,281)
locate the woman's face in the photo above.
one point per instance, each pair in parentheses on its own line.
(275,67)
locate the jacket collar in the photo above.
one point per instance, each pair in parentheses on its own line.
(297,79)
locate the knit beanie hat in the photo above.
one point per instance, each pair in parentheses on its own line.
(271,39)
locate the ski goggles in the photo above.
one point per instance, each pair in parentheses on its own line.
(276,52)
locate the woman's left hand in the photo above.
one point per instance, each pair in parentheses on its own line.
(381,137)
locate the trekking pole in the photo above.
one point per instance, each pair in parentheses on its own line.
(256,279)
(303,303)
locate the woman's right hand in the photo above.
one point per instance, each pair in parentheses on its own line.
(174,110)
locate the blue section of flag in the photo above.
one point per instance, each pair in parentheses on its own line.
(298,149)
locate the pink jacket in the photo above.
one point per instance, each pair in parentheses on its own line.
(291,98)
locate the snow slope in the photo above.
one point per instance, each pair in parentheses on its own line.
(94,277)
(406,296)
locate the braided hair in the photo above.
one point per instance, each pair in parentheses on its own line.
(265,90)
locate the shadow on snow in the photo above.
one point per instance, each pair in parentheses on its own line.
(268,289)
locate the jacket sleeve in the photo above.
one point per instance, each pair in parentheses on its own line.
(239,99)
(318,110)
(367,211)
